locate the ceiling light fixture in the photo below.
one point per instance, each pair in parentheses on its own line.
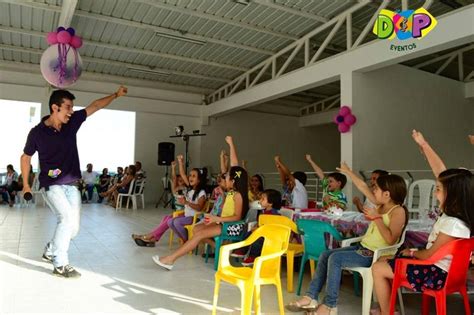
(181,38)
(149,71)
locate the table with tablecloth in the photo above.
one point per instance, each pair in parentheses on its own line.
(351,224)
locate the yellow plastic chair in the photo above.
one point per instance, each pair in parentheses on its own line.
(293,248)
(196,216)
(176,213)
(266,268)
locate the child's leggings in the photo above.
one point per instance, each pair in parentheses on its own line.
(177,225)
(161,228)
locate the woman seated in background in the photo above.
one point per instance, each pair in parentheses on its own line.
(121,188)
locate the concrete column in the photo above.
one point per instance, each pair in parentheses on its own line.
(347,151)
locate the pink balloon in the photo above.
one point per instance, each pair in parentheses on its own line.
(64,37)
(52,38)
(350,119)
(345,110)
(76,42)
(343,128)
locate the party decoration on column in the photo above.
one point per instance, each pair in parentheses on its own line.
(61,64)
(344,119)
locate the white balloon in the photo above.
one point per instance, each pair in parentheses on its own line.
(61,72)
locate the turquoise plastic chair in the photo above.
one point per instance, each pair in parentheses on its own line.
(234,231)
(313,232)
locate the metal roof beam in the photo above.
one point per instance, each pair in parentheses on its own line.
(67,12)
(305,14)
(453,29)
(211,17)
(118,63)
(131,50)
(153,28)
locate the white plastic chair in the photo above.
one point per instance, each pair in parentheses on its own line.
(139,192)
(129,195)
(289,213)
(35,191)
(366,273)
(135,191)
(426,198)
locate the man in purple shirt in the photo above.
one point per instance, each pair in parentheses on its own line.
(54,138)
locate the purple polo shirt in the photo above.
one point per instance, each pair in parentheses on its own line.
(57,150)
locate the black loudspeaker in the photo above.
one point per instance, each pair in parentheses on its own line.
(165,153)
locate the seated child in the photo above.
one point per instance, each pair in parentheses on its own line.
(332,186)
(295,193)
(271,202)
(455,194)
(155,235)
(367,203)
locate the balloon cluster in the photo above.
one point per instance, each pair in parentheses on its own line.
(61,64)
(344,119)
(64,36)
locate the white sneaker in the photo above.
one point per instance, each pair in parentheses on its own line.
(157,261)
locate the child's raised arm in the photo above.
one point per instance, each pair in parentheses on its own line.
(174,180)
(182,172)
(436,164)
(358,182)
(224,161)
(234,160)
(315,166)
(280,170)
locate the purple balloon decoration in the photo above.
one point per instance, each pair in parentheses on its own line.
(61,65)
(343,128)
(60,29)
(340,119)
(71,31)
(76,42)
(345,110)
(350,119)
(64,37)
(52,38)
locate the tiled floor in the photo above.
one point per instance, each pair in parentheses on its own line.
(117,276)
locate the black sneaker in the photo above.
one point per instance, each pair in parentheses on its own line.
(47,258)
(67,271)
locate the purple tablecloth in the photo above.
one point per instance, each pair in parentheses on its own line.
(352,224)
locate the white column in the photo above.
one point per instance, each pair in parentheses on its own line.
(347,138)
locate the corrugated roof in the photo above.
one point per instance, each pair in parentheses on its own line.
(225,38)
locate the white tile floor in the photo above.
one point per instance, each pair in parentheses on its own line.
(117,276)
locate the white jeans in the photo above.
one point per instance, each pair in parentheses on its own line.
(65,202)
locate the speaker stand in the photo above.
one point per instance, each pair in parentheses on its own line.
(165,197)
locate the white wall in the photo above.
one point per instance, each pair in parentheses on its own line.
(152,129)
(259,137)
(390,102)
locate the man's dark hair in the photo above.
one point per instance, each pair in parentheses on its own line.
(58,96)
(339,178)
(301,176)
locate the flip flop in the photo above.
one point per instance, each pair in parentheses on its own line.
(143,243)
(295,306)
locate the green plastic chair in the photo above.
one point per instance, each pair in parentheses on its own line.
(313,232)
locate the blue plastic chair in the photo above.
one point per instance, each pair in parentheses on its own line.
(314,239)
